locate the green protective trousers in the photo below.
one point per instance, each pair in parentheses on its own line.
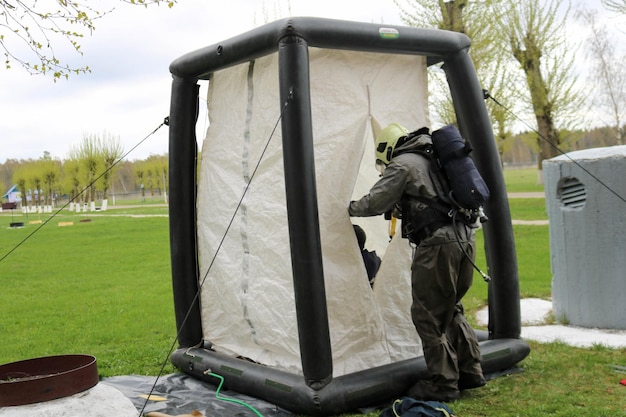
(441,275)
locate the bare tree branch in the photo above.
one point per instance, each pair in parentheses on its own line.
(617,6)
(30,30)
(477,19)
(608,72)
(537,41)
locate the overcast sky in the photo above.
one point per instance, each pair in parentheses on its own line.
(127,93)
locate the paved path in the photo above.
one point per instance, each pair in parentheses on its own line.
(539,194)
(536,316)
(132,206)
(530,222)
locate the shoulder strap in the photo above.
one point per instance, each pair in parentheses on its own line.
(437,176)
(436,204)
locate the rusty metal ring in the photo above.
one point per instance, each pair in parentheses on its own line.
(46,378)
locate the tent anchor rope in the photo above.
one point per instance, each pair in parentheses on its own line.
(14,248)
(219,246)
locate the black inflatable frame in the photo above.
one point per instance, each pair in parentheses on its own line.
(316,392)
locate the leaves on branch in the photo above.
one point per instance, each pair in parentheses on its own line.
(30,30)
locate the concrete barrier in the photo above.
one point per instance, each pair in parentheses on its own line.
(586,202)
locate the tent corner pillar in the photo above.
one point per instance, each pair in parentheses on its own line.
(183,151)
(475,125)
(302,211)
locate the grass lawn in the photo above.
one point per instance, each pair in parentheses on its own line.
(531,244)
(528,208)
(520,180)
(103,287)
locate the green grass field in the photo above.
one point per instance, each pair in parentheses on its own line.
(522,180)
(103,287)
(531,244)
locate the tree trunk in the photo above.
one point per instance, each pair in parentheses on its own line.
(452,12)
(529,58)
(549,139)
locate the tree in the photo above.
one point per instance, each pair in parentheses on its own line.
(50,171)
(608,73)
(6,173)
(68,178)
(30,31)
(534,30)
(273,12)
(618,6)
(89,155)
(71,182)
(34,181)
(476,20)
(139,174)
(20,175)
(528,32)
(155,172)
(124,176)
(111,151)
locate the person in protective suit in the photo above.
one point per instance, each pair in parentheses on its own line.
(441,270)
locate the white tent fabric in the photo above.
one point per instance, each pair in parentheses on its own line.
(247,301)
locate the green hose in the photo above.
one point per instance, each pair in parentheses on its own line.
(232,400)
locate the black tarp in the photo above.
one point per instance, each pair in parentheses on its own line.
(182,394)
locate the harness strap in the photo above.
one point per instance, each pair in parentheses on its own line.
(418,227)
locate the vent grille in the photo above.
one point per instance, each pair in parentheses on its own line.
(572,193)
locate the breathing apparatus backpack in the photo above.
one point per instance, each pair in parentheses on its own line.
(461,190)
(468,190)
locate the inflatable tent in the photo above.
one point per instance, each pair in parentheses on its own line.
(269,286)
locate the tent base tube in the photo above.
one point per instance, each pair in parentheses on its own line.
(371,387)
(481,335)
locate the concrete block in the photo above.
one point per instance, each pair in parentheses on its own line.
(585,199)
